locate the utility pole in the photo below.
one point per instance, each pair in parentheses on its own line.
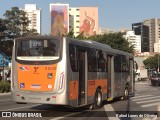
(3,66)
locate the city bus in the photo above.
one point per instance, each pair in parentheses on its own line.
(65,71)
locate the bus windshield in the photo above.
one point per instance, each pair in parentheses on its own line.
(38,49)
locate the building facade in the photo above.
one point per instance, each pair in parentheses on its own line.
(34,15)
(154,32)
(134,40)
(157,47)
(84,20)
(74,20)
(4,61)
(143,31)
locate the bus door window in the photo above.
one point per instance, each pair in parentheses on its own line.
(82,74)
(101,62)
(73,57)
(92,60)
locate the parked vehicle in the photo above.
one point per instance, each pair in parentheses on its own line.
(155,79)
(141,74)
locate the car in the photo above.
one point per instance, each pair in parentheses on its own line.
(155,79)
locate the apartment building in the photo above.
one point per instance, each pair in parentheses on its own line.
(34,15)
(134,40)
(154,32)
(74,20)
(143,31)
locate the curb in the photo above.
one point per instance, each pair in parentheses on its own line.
(2,94)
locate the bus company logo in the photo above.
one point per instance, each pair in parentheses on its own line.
(22,85)
(35,69)
(23,68)
(36,86)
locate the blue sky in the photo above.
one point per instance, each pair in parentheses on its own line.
(113,14)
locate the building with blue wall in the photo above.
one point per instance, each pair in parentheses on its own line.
(4,60)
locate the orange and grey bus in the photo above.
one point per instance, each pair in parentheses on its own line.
(64,71)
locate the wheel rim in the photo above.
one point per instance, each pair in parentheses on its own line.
(98,98)
(126,92)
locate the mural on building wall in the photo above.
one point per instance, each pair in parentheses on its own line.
(88,20)
(59,19)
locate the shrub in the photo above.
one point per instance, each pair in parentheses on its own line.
(4,86)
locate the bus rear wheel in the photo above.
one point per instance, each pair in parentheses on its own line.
(126,94)
(98,99)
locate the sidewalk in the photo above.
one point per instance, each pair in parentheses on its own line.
(8,93)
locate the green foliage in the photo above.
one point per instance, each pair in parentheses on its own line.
(71,34)
(3,29)
(14,25)
(152,62)
(115,40)
(17,22)
(6,47)
(4,86)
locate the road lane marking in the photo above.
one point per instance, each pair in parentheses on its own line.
(109,107)
(5,100)
(141,83)
(20,107)
(141,96)
(148,101)
(145,98)
(149,105)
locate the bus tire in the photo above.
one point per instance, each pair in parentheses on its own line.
(126,94)
(98,99)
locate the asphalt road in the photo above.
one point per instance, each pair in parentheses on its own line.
(142,106)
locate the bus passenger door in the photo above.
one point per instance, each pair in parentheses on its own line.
(110,87)
(82,58)
(109,77)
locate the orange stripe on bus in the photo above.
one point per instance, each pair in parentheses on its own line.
(73,91)
(92,86)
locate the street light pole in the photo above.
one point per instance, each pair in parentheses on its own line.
(3,67)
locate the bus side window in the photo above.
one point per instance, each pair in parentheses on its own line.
(101,62)
(73,57)
(117,63)
(125,64)
(92,60)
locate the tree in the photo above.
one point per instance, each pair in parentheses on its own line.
(70,34)
(17,23)
(3,29)
(14,25)
(151,62)
(115,40)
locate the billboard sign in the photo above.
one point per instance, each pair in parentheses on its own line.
(59,19)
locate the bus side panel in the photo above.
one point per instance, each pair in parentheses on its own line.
(94,83)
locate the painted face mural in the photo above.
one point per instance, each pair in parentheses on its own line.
(59,19)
